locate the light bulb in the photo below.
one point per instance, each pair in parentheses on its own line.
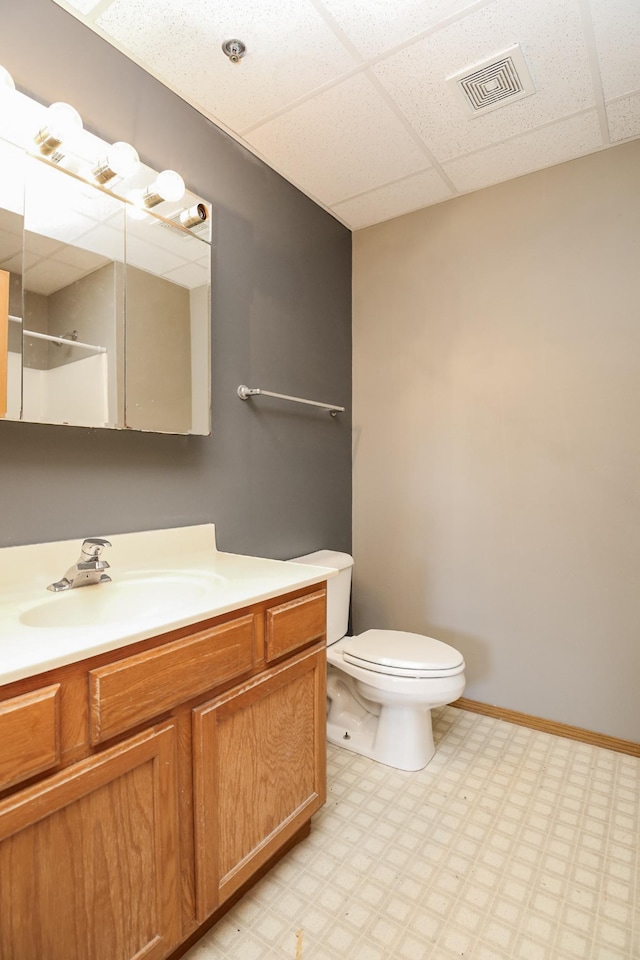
(121,160)
(168,185)
(6,80)
(62,123)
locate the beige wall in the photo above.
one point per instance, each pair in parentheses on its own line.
(94,306)
(497,437)
(158,354)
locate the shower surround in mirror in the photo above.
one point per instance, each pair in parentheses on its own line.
(108,313)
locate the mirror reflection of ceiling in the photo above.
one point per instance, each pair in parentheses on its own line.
(349,100)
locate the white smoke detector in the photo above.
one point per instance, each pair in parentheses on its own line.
(493,83)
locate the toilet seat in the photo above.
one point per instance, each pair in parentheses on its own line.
(399,654)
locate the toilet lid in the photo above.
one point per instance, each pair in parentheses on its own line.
(403,654)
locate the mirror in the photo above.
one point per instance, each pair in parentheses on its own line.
(107,302)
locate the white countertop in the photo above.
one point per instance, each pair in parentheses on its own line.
(162,580)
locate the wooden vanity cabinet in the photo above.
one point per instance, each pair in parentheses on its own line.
(191,761)
(259,773)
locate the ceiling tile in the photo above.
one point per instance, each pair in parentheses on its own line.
(340,143)
(624,118)
(38,245)
(415,77)
(161,239)
(191,275)
(377,25)
(150,258)
(290,51)
(556,143)
(10,235)
(8,249)
(85,261)
(394,199)
(47,276)
(106,241)
(616,25)
(13,264)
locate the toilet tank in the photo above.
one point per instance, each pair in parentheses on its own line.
(338,589)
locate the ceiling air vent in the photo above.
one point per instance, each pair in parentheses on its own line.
(494,83)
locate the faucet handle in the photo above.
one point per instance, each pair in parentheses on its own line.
(92,547)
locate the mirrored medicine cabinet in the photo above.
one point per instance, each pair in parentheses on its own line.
(104,300)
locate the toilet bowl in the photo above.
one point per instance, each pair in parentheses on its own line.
(382,684)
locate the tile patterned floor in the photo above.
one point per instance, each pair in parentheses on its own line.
(510,845)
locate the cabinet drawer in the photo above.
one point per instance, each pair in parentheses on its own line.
(295,624)
(130,691)
(29,734)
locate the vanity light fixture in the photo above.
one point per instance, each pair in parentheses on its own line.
(168,185)
(62,122)
(193,216)
(6,80)
(120,161)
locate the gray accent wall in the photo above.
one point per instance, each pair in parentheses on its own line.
(274,477)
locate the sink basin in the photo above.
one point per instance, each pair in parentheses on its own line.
(146,596)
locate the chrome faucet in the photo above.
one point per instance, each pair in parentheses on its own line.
(89,568)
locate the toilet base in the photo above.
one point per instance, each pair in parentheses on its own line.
(399,736)
(363,739)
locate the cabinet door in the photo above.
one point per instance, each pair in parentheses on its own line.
(259,772)
(89,858)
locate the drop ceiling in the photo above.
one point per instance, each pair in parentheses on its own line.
(350,101)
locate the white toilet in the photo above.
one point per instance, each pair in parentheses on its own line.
(382,684)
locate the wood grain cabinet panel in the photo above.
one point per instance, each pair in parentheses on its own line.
(130,691)
(89,863)
(29,734)
(259,772)
(295,624)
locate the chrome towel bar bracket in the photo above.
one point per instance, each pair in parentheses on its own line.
(245,392)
